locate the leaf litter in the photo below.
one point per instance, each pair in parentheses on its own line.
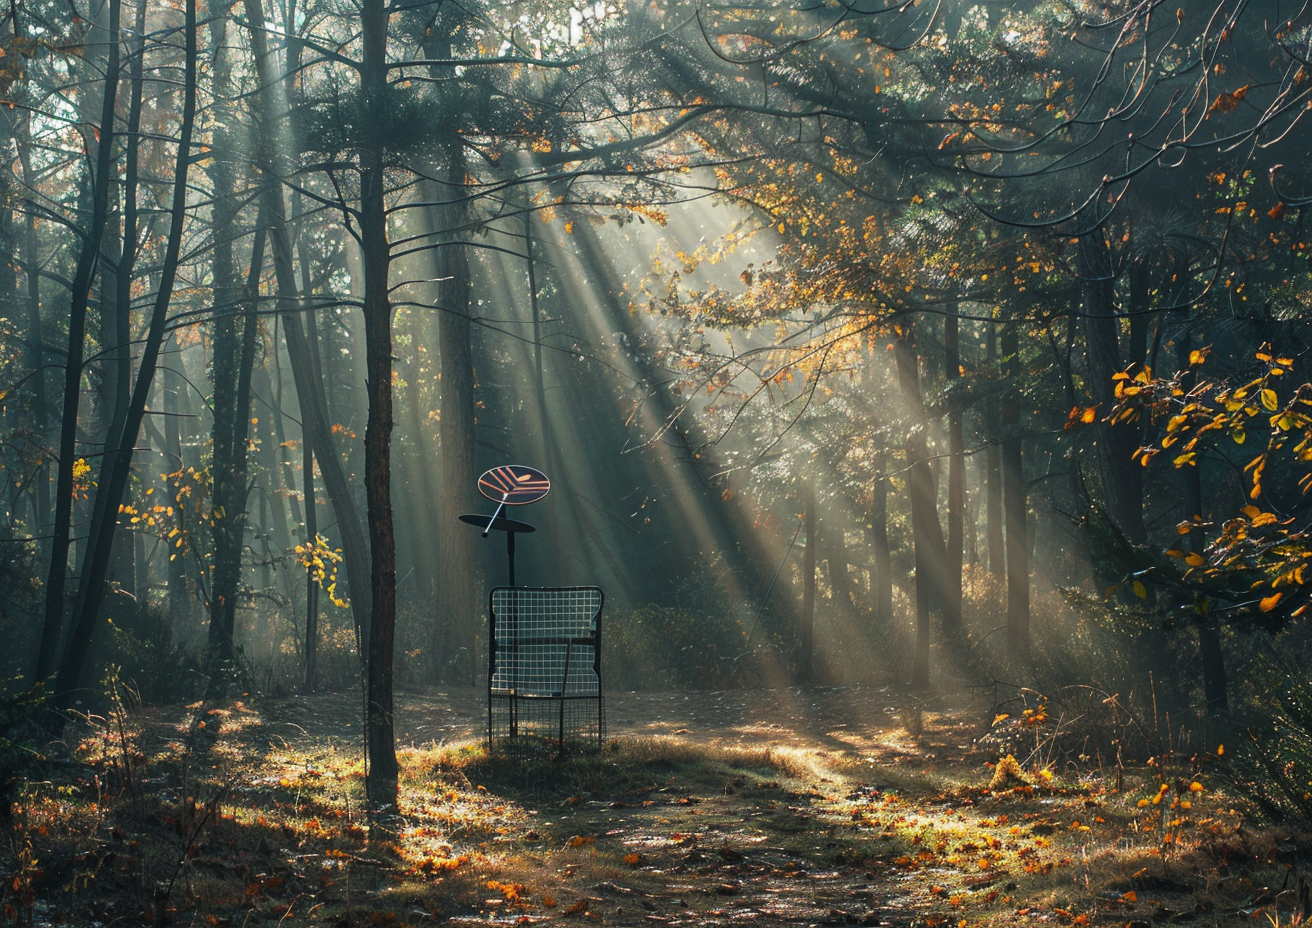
(743,807)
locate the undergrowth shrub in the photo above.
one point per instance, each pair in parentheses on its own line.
(20,724)
(1118,686)
(21,607)
(1271,756)
(138,641)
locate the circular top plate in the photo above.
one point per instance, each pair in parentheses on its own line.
(499,524)
(514,484)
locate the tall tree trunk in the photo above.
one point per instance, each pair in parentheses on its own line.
(118,332)
(284,508)
(952,630)
(179,606)
(881,575)
(1140,318)
(1016,501)
(458,566)
(926,533)
(56,582)
(972,527)
(840,574)
(993,473)
(806,632)
(35,332)
(231,517)
(119,448)
(311,585)
(115,381)
(272,377)
(1209,632)
(381,748)
(10,293)
(1122,483)
(228,495)
(35,329)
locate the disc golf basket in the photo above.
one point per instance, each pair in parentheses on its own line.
(544,649)
(544,670)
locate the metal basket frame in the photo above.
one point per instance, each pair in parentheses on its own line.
(544,670)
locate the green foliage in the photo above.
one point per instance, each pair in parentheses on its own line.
(653,647)
(19,755)
(336,122)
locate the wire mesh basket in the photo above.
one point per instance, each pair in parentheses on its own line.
(544,670)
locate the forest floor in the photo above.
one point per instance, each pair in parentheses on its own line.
(794,806)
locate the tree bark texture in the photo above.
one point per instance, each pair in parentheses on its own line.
(228,487)
(83,277)
(35,334)
(806,630)
(952,629)
(119,448)
(458,567)
(993,539)
(1122,483)
(1016,501)
(881,579)
(1211,654)
(311,585)
(376,251)
(926,533)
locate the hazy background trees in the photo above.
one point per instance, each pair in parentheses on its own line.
(827,325)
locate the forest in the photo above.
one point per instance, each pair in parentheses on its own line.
(925,384)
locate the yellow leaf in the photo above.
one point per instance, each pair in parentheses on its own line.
(1251,511)
(1269,603)
(1194,559)
(1269,400)
(1140,590)
(1239,436)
